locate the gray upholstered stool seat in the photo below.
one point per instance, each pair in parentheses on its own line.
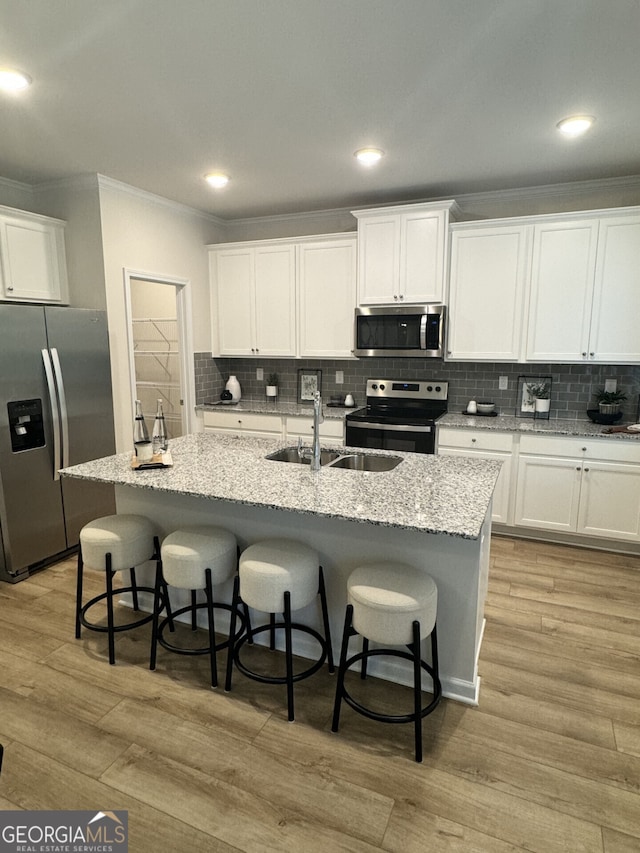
(111,544)
(391,604)
(278,576)
(196,558)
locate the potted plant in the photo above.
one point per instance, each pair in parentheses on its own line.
(609,402)
(539,393)
(272,385)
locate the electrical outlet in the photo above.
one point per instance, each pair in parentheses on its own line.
(610,384)
(259,373)
(339,377)
(503,383)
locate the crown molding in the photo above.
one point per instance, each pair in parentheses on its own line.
(571,188)
(16,185)
(105,183)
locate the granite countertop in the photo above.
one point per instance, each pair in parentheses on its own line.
(432,494)
(553,426)
(281,407)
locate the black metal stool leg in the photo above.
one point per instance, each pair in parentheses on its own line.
(363,662)
(342,668)
(288,644)
(1,756)
(194,611)
(272,632)
(110,620)
(79,593)
(417,691)
(232,632)
(325,619)
(212,628)
(134,588)
(156,615)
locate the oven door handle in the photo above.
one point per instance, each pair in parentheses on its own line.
(388,427)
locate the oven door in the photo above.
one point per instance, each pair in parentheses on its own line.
(414,438)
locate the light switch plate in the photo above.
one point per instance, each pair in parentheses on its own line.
(503,383)
(610,384)
(259,373)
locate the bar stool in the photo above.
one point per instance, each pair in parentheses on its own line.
(391,604)
(195,558)
(116,543)
(278,576)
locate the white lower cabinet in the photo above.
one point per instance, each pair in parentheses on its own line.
(591,487)
(484,445)
(331,430)
(287,427)
(245,423)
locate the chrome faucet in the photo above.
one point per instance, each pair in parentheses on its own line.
(313,453)
(317,420)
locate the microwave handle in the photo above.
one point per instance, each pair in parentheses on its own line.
(423,331)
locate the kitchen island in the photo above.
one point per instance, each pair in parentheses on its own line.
(429,511)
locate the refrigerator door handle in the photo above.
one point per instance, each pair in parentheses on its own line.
(55,416)
(64,419)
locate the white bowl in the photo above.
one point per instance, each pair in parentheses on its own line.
(485,408)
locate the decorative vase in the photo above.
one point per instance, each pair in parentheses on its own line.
(234,386)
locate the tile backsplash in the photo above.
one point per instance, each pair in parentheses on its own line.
(571,395)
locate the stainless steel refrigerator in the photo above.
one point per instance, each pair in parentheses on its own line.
(56,410)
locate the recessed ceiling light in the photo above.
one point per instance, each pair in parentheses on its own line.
(217,180)
(13,81)
(575,125)
(369,156)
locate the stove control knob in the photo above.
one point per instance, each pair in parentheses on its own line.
(429,387)
(374,386)
(438,388)
(382,387)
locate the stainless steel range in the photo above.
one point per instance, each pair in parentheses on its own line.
(399,415)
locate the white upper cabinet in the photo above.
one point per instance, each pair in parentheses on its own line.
(255,287)
(615,335)
(285,298)
(561,288)
(487,290)
(32,258)
(561,298)
(327,297)
(402,253)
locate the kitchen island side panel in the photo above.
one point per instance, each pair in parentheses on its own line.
(459,567)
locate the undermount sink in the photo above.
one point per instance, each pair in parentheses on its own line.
(331,459)
(290,454)
(366,462)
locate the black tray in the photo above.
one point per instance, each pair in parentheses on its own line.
(481,414)
(340,406)
(597,417)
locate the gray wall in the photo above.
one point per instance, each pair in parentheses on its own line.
(571,396)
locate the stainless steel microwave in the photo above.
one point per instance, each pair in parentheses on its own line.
(402,330)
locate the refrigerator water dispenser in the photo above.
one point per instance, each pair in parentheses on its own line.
(26,426)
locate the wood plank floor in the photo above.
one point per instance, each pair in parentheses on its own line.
(549,762)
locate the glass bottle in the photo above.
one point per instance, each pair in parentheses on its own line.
(140,431)
(160,442)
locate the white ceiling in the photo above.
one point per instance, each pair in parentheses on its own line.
(463,95)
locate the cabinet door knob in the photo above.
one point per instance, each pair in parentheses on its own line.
(395,295)
(586,469)
(583,449)
(401,296)
(584,354)
(10,288)
(473,440)
(577,467)
(592,354)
